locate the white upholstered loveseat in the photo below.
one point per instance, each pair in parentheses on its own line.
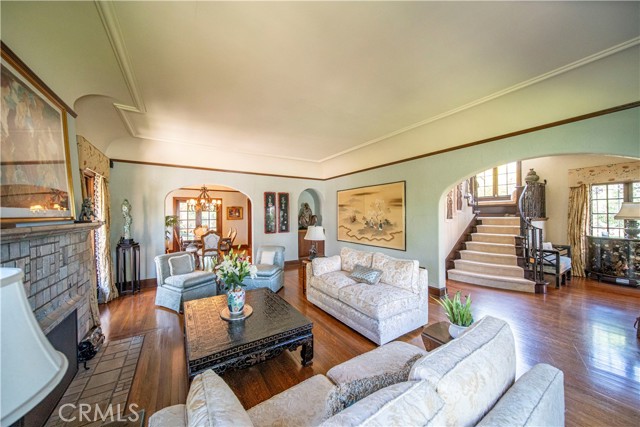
(469,381)
(398,304)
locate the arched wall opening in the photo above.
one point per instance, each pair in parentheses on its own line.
(311,198)
(554,169)
(233,214)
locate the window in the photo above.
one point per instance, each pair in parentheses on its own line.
(188,220)
(498,182)
(606,200)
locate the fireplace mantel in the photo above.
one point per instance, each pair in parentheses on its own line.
(9,235)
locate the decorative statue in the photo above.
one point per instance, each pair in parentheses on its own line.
(126,212)
(86,212)
(304,216)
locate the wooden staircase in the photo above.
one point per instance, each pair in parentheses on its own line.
(493,256)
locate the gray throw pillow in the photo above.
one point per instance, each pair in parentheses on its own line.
(181,264)
(344,395)
(364,274)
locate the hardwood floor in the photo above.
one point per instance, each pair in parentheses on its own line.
(585,329)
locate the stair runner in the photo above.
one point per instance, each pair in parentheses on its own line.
(490,257)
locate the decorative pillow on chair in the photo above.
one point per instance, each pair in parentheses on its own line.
(267,257)
(547,246)
(181,264)
(364,274)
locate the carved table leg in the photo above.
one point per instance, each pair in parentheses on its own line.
(307,352)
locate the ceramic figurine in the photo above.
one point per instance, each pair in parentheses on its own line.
(126,212)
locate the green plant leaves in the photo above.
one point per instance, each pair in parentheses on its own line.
(458,312)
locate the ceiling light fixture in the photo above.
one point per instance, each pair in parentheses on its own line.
(204,202)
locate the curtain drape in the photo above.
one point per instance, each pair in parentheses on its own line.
(107,289)
(577,229)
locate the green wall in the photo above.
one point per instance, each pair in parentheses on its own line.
(429,178)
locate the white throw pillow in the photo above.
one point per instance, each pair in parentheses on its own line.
(547,246)
(267,257)
(181,264)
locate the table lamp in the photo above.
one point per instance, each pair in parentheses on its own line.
(30,368)
(630,212)
(315,233)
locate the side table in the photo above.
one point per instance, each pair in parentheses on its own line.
(302,274)
(435,335)
(128,251)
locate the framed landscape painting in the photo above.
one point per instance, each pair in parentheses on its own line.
(373,215)
(35,172)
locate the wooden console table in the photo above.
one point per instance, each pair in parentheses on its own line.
(435,335)
(302,274)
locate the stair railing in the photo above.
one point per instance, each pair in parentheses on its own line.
(472,195)
(532,242)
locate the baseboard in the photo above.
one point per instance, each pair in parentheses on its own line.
(148,283)
(437,292)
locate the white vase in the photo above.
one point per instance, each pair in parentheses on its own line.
(455,330)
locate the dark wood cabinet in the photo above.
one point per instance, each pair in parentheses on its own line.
(305,245)
(614,259)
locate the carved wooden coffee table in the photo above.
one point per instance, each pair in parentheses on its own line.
(274,326)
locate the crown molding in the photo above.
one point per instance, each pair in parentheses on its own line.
(612,110)
(109,18)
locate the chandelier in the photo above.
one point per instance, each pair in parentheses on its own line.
(204,202)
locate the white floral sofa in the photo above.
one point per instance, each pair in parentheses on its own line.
(469,381)
(398,304)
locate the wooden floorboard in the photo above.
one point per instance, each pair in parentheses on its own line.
(585,329)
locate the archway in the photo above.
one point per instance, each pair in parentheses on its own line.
(311,198)
(232,211)
(553,169)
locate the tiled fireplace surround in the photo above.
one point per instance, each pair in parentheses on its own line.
(59,270)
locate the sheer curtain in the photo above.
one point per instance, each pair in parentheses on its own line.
(577,227)
(106,285)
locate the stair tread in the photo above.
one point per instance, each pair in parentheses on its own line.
(495,234)
(469,251)
(492,277)
(488,264)
(499,217)
(511,245)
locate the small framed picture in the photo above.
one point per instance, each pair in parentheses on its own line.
(234,213)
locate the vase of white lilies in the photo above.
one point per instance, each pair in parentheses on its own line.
(232,271)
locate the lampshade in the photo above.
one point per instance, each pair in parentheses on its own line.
(30,366)
(314,232)
(629,210)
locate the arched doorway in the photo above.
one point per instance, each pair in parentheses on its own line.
(229,212)
(308,199)
(554,170)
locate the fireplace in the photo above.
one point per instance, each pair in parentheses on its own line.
(59,276)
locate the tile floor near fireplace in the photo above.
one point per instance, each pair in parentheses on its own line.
(106,382)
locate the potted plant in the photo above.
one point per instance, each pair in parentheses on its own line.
(232,271)
(458,312)
(170,222)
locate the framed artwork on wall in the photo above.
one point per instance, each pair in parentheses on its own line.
(35,167)
(234,213)
(283,212)
(269,212)
(373,215)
